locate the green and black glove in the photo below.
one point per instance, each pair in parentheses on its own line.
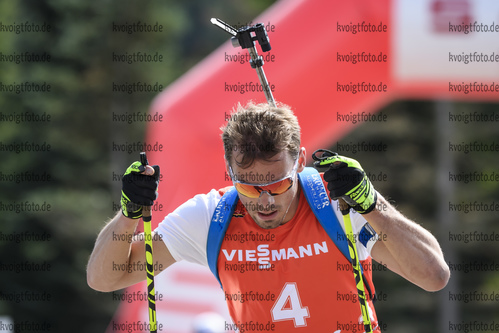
(138,190)
(347,180)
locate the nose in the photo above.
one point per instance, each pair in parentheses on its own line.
(266,200)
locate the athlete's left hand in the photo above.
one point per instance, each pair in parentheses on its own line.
(347,180)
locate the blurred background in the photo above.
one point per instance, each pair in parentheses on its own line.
(54,200)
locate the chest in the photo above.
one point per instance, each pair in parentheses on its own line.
(285,277)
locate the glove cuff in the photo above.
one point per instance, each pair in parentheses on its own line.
(130,209)
(132,215)
(370,208)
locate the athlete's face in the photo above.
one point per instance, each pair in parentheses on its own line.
(270,211)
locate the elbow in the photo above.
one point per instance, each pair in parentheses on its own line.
(94,283)
(97,283)
(437,278)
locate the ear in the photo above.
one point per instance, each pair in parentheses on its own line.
(302,159)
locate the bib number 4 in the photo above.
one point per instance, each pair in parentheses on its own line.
(288,306)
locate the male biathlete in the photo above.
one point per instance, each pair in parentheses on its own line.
(278,267)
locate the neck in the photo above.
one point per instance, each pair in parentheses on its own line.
(293,206)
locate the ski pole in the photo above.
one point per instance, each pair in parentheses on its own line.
(351,240)
(147,217)
(245,38)
(352,247)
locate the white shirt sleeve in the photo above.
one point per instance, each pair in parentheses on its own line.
(185,230)
(358,223)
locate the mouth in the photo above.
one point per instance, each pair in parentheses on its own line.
(265,216)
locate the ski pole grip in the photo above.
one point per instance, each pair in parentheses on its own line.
(143,159)
(146,210)
(344,207)
(146,213)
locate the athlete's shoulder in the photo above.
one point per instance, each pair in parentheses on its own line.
(321,174)
(224,190)
(240,210)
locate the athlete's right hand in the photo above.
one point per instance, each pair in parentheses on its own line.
(139,188)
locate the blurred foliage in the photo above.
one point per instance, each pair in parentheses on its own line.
(80,163)
(81,130)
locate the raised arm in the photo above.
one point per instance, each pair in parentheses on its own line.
(405,248)
(118,259)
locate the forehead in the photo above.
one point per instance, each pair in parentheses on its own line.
(276,168)
(280,159)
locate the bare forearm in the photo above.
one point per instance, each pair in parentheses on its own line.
(112,250)
(409,249)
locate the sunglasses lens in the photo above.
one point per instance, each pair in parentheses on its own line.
(280,187)
(247,190)
(254,191)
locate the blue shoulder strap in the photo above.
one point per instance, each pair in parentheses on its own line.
(317,198)
(218,226)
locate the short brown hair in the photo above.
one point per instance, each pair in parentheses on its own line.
(260,131)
